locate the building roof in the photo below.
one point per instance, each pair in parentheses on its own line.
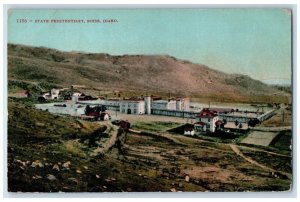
(154,98)
(133,100)
(23,91)
(219,122)
(94,114)
(206,113)
(86,97)
(182,99)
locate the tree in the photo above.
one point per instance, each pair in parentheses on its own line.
(241,125)
(87,109)
(41,99)
(251,123)
(236,123)
(103,108)
(98,109)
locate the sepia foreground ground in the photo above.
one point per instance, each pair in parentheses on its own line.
(49,153)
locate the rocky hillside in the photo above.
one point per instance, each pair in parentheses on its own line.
(128,73)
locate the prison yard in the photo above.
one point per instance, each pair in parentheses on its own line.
(65,140)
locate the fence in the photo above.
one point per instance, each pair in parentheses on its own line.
(176,113)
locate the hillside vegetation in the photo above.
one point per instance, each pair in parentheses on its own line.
(135,75)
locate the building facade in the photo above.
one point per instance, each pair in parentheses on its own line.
(209,118)
(113,102)
(132,106)
(183,104)
(62,108)
(164,104)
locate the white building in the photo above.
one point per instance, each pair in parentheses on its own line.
(92,102)
(52,95)
(164,104)
(77,94)
(189,131)
(183,104)
(104,116)
(113,102)
(207,120)
(132,106)
(147,104)
(62,108)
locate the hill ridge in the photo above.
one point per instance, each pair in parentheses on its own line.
(131,73)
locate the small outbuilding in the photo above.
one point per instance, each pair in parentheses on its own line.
(104,116)
(20,94)
(189,131)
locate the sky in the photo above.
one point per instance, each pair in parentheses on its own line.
(254,42)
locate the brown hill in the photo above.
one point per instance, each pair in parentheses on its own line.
(158,74)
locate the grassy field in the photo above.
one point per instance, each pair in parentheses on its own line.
(155,126)
(279,163)
(283,142)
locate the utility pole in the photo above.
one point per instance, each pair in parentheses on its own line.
(283,116)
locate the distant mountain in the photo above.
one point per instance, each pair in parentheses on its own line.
(160,74)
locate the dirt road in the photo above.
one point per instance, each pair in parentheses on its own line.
(113,131)
(238,152)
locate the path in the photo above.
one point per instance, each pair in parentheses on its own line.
(238,152)
(185,140)
(261,150)
(162,135)
(113,131)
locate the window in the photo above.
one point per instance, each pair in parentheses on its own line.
(134,111)
(134,105)
(208,120)
(199,119)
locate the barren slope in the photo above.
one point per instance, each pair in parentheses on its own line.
(130,73)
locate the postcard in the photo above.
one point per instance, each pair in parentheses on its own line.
(149,100)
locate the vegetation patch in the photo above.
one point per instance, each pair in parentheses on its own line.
(73,147)
(283,142)
(155,126)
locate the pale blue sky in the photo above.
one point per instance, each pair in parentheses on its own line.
(255,42)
